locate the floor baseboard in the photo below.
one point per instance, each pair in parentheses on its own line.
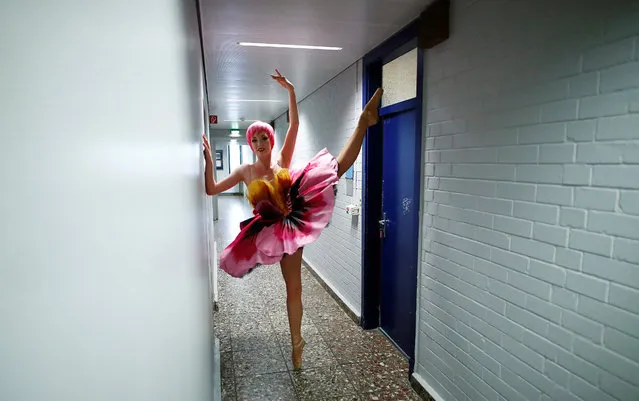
(332,293)
(419,389)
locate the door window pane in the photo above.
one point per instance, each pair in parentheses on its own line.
(399,79)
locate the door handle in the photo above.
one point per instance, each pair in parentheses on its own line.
(382,226)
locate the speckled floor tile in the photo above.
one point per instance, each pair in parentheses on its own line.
(375,357)
(249,308)
(249,324)
(373,378)
(316,354)
(340,361)
(378,343)
(344,398)
(360,348)
(340,330)
(225,343)
(322,383)
(344,331)
(279,320)
(226,365)
(221,325)
(268,387)
(283,335)
(258,361)
(348,352)
(403,394)
(325,309)
(248,340)
(223,313)
(228,389)
(316,295)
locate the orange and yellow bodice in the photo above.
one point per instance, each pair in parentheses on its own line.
(276,191)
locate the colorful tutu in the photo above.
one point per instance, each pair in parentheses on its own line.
(290,212)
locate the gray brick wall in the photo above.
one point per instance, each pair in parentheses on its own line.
(327,119)
(530,271)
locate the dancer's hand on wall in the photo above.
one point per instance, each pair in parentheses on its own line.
(206,149)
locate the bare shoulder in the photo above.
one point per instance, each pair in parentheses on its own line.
(244,170)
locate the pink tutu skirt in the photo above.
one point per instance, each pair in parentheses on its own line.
(271,233)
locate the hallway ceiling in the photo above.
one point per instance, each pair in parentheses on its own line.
(237,72)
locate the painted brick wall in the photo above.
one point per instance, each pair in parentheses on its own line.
(327,119)
(530,276)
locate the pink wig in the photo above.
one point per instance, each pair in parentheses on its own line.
(260,126)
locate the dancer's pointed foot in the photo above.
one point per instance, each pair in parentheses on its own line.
(296,355)
(371,110)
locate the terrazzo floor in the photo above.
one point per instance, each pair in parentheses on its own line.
(341,361)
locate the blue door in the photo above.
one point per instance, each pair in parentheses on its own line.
(399,223)
(391,191)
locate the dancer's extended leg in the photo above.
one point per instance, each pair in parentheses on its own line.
(369,117)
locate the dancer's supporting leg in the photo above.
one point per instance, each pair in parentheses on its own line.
(369,117)
(292,272)
(292,264)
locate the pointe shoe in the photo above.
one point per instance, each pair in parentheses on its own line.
(296,355)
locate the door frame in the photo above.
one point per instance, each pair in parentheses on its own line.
(371,267)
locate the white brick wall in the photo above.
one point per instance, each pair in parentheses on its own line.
(327,119)
(530,274)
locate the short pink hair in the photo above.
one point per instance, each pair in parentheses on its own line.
(260,126)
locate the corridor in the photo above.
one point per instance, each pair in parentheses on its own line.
(341,361)
(489,223)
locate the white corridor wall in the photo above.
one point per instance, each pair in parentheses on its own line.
(103,254)
(530,275)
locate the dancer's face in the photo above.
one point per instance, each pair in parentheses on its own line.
(260,143)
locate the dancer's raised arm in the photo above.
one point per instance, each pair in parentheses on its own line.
(286,154)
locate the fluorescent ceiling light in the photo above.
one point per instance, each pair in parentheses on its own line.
(235,134)
(254,100)
(239,121)
(279,45)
